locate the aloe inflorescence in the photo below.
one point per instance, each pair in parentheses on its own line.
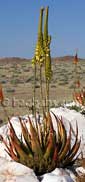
(42,59)
(43,149)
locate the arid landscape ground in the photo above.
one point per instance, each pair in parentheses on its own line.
(16,77)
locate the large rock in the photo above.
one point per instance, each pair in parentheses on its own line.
(14,172)
(72,116)
(58,175)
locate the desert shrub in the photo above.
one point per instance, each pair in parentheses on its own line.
(26,70)
(53,86)
(37,86)
(3,75)
(75,107)
(71,86)
(29,79)
(83,112)
(4,81)
(10,90)
(63,83)
(17,81)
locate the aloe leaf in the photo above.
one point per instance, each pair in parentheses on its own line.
(36,148)
(66,148)
(51,145)
(26,136)
(63,136)
(69,159)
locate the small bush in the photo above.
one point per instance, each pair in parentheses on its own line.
(75,107)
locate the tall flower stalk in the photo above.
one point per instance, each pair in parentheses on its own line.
(48,71)
(76,74)
(34,92)
(39,54)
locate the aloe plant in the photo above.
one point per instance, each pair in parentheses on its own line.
(44,149)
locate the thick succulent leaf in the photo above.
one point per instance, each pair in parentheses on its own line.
(42,137)
(50,147)
(26,136)
(35,144)
(63,136)
(72,162)
(22,154)
(49,122)
(45,129)
(5,142)
(51,144)
(70,158)
(19,148)
(66,148)
(76,140)
(55,155)
(12,155)
(16,140)
(58,127)
(9,149)
(13,151)
(73,151)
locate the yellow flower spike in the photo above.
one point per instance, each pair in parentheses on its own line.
(47,41)
(39,50)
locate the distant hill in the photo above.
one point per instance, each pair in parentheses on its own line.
(66,58)
(13,60)
(18,59)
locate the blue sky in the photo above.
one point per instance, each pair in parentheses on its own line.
(19,23)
